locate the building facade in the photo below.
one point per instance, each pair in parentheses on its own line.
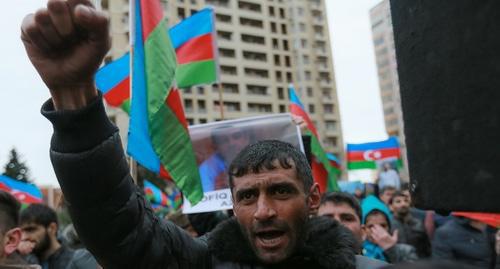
(264,45)
(385,56)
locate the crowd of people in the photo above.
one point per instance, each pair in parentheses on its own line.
(279,218)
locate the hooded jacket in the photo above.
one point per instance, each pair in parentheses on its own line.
(395,254)
(118,227)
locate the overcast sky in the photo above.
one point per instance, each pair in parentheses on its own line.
(22,93)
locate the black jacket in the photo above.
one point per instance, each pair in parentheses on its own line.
(458,240)
(119,228)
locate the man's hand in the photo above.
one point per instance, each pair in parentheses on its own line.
(66,43)
(25,247)
(382,238)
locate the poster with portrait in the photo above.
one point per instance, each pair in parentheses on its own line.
(217,143)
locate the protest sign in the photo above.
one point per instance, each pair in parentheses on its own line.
(217,143)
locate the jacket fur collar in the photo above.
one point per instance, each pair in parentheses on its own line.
(327,244)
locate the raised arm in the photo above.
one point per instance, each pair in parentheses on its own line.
(66,43)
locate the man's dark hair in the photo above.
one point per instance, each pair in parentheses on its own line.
(396,194)
(342,198)
(387,188)
(262,155)
(38,214)
(9,212)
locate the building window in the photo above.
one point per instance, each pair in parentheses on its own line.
(243,5)
(289,78)
(331,125)
(253,39)
(222,18)
(228,106)
(311,109)
(276,45)
(285,44)
(188,105)
(256,90)
(251,23)
(277,60)
(261,108)
(328,108)
(273,27)
(279,78)
(282,13)
(287,61)
(271,11)
(181,13)
(309,92)
(229,53)
(283,29)
(224,35)
(282,109)
(255,56)
(226,88)
(201,106)
(228,70)
(256,73)
(281,93)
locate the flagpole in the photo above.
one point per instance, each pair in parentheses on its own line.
(132,162)
(221,101)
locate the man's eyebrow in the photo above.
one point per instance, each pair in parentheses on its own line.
(277,185)
(243,190)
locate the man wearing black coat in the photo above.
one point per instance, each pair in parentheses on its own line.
(271,182)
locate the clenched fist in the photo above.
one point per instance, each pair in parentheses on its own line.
(66,43)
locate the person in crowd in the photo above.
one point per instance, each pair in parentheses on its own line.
(380,243)
(39,227)
(411,231)
(228,141)
(426,264)
(388,177)
(466,241)
(425,216)
(386,193)
(271,182)
(344,208)
(10,233)
(82,258)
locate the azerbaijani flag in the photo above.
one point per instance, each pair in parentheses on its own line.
(155,195)
(323,172)
(24,192)
(158,133)
(194,41)
(113,80)
(366,155)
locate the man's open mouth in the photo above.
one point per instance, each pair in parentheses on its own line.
(270,239)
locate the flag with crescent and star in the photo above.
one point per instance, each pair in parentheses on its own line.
(368,155)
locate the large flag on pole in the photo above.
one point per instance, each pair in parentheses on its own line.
(158,134)
(323,172)
(194,41)
(367,155)
(24,192)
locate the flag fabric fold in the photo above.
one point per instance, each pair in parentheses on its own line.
(323,172)
(158,134)
(366,155)
(194,41)
(24,192)
(113,80)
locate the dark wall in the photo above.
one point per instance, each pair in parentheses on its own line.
(449,72)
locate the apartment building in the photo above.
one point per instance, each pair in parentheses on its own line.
(263,45)
(385,55)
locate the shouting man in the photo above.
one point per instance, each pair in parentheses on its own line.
(272,187)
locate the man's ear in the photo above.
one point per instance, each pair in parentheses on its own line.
(12,239)
(314,198)
(52,229)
